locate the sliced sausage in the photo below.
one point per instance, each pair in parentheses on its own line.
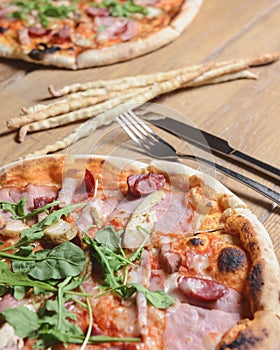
(201,289)
(143,184)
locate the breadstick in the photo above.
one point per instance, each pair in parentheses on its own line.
(83,130)
(74,96)
(260,60)
(57,108)
(138,96)
(243,74)
(142,80)
(87,128)
(81,114)
(127,82)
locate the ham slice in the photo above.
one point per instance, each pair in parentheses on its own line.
(146,2)
(23,37)
(123,28)
(30,192)
(5,11)
(62,36)
(173,214)
(97,11)
(194,328)
(96,212)
(72,191)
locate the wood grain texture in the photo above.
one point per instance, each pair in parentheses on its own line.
(245,112)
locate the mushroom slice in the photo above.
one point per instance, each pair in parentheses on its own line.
(142,219)
(60,232)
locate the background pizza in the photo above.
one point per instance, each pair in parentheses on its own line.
(131,256)
(79,34)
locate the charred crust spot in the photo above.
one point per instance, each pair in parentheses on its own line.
(196,241)
(246,340)
(255,279)
(231,259)
(2,30)
(42,49)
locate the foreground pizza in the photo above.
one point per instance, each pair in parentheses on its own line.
(109,253)
(79,34)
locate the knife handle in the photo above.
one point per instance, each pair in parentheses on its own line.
(256,186)
(256,164)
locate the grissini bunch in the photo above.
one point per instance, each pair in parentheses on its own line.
(100,101)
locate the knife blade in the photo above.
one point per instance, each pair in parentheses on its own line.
(205,140)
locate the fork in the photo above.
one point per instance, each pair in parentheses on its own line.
(156,147)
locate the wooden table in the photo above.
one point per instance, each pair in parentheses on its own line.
(245,112)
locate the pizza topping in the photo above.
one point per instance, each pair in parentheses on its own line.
(113,28)
(107,244)
(35,32)
(23,37)
(46,9)
(122,9)
(60,232)
(201,289)
(8,10)
(231,259)
(170,261)
(174,214)
(143,184)
(62,36)
(146,2)
(97,11)
(13,228)
(145,217)
(8,338)
(72,191)
(184,320)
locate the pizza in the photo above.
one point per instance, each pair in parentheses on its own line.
(77,34)
(111,253)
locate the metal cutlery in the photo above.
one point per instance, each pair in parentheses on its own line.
(216,144)
(156,147)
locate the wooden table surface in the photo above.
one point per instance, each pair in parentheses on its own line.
(245,112)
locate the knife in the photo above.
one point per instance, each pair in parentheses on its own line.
(205,140)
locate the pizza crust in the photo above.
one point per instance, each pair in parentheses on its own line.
(188,11)
(59,59)
(126,50)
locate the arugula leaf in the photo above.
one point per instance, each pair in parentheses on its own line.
(65,260)
(159,299)
(52,324)
(122,9)
(35,232)
(19,292)
(107,251)
(23,320)
(109,238)
(34,212)
(17,208)
(45,8)
(12,279)
(4,289)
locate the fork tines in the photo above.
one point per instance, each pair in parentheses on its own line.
(134,126)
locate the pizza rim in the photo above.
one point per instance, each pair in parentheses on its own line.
(255,333)
(115,53)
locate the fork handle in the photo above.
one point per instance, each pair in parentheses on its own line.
(256,186)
